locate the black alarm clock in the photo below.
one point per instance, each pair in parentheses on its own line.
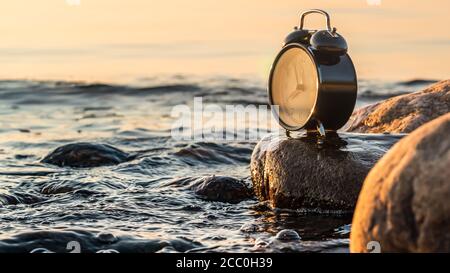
(313,80)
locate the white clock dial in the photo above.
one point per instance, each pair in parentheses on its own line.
(294,86)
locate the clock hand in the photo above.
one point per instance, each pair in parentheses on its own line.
(299,85)
(296,74)
(288,100)
(294,94)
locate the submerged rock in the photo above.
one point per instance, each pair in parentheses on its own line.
(83,154)
(404,204)
(287,235)
(41,250)
(107,251)
(402,114)
(249,228)
(221,188)
(304,173)
(106,237)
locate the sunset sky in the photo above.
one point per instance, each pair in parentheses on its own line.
(114,40)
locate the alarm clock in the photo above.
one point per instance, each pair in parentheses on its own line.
(313,80)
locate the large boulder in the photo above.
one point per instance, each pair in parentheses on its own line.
(404,203)
(309,173)
(402,114)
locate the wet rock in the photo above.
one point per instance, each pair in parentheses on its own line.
(106,237)
(404,204)
(287,235)
(304,173)
(402,114)
(167,249)
(108,251)
(261,244)
(81,155)
(41,250)
(285,241)
(249,228)
(221,188)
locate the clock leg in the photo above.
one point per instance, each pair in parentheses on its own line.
(320,128)
(288,134)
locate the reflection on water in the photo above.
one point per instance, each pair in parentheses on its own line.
(134,206)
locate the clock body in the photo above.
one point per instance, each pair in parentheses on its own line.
(310,88)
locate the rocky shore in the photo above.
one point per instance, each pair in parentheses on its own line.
(389,166)
(305,173)
(402,114)
(403,204)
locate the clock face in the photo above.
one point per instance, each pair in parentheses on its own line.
(294,86)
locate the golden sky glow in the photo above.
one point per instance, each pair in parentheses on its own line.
(115,39)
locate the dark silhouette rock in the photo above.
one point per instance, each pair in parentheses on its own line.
(404,203)
(402,114)
(304,173)
(221,188)
(81,155)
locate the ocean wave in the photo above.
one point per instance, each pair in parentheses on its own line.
(90,241)
(224,91)
(209,153)
(16,198)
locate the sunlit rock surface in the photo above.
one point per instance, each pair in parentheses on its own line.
(307,173)
(404,203)
(402,114)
